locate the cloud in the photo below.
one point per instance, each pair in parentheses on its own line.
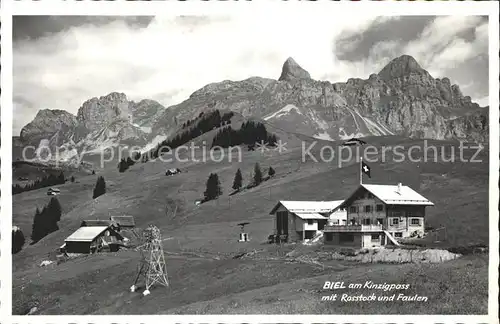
(167,59)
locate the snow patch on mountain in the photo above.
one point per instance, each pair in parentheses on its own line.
(324,136)
(157,140)
(345,136)
(283,111)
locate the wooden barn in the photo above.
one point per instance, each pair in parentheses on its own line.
(123,222)
(91,239)
(301,220)
(378,215)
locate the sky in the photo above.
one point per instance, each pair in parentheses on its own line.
(61,61)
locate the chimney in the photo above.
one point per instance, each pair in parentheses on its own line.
(399,188)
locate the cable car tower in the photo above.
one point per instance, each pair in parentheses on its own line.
(152,265)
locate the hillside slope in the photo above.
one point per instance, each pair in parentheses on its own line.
(202,239)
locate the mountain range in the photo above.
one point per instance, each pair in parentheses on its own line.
(402,99)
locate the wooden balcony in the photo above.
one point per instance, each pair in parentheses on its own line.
(353,228)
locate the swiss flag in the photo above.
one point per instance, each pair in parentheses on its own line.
(365,168)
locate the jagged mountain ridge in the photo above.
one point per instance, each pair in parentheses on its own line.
(100,123)
(402,99)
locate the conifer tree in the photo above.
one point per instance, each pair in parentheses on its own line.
(238,180)
(100,187)
(18,240)
(122,166)
(213,189)
(271,172)
(257,174)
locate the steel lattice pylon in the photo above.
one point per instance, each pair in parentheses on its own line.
(152,265)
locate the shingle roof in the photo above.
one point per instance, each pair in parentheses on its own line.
(86,234)
(123,220)
(308,206)
(390,195)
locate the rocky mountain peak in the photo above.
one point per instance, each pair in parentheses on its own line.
(46,123)
(292,71)
(96,113)
(400,66)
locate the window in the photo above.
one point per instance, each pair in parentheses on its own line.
(380,208)
(375,237)
(334,221)
(368,209)
(380,221)
(366,221)
(415,221)
(310,221)
(353,209)
(395,221)
(398,234)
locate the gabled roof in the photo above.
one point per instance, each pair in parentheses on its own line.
(89,233)
(392,195)
(86,234)
(308,206)
(123,220)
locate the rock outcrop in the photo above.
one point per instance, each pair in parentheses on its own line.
(100,123)
(96,113)
(57,126)
(292,71)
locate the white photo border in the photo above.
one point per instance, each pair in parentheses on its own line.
(151,8)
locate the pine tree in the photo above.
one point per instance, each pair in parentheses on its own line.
(54,209)
(100,187)
(18,240)
(238,180)
(36,229)
(257,174)
(122,166)
(271,172)
(213,189)
(72,179)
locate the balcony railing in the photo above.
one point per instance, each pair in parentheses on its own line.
(353,228)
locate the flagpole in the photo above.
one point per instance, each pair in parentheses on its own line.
(361,170)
